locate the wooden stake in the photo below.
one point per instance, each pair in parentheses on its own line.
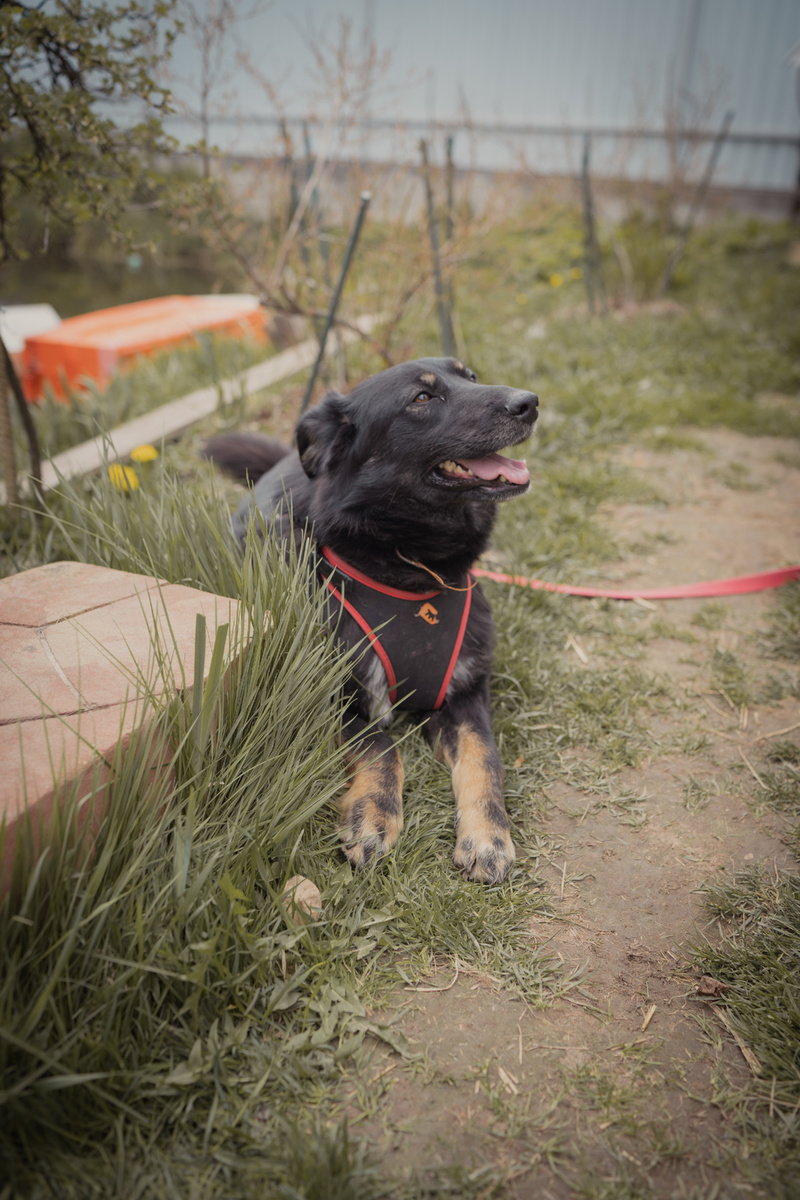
(592,268)
(351,245)
(697,201)
(445,320)
(7,439)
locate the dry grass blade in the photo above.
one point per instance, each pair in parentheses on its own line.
(424,988)
(748,1055)
(648,1016)
(752,770)
(779,732)
(508,1081)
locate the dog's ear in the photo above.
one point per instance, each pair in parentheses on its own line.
(324,434)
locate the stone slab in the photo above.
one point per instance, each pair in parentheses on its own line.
(25,668)
(145,640)
(57,591)
(63,756)
(76,659)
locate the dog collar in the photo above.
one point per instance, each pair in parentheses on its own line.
(421,633)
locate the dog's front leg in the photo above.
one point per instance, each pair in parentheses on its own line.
(371,810)
(461,736)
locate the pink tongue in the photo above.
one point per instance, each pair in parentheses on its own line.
(514,469)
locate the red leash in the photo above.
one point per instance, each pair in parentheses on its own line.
(717,587)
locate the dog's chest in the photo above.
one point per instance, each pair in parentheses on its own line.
(417,637)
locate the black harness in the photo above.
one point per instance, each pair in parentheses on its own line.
(421,633)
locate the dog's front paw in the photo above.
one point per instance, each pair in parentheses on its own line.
(371,810)
(367,830)
(485,856)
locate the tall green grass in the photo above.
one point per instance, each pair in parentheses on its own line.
(164,1026)
(163,960)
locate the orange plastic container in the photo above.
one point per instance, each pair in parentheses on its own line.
(97,344)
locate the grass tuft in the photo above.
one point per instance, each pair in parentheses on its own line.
(759,959)
(783,637)
(730,678)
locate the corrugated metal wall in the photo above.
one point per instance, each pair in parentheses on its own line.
(529,76)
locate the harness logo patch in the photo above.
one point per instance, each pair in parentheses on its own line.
(428,613)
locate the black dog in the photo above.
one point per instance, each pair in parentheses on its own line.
(399,481)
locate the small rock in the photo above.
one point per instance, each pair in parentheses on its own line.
(302,899)
(709,986)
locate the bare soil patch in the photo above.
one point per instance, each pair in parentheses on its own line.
(615,1090)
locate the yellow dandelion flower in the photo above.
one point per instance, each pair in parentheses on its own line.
(576,273)
(124,479)
(144,454)
(556,280)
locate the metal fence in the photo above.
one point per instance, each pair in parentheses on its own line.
(520,83)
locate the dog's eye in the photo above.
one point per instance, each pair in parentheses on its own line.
(422,398)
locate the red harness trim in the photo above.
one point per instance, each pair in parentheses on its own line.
(374,641)
(456,651)
(738,586)
(336,561)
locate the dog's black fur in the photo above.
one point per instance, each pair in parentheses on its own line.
(370,476)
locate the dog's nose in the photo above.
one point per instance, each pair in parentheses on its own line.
(523,405)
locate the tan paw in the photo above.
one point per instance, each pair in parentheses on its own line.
(371,810)
(485,859)
(367,830)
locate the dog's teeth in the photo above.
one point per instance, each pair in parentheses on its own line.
(453,468)
(502,478)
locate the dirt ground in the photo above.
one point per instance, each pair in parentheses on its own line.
(614,1090)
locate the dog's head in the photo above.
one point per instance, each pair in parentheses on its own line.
(425,428)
